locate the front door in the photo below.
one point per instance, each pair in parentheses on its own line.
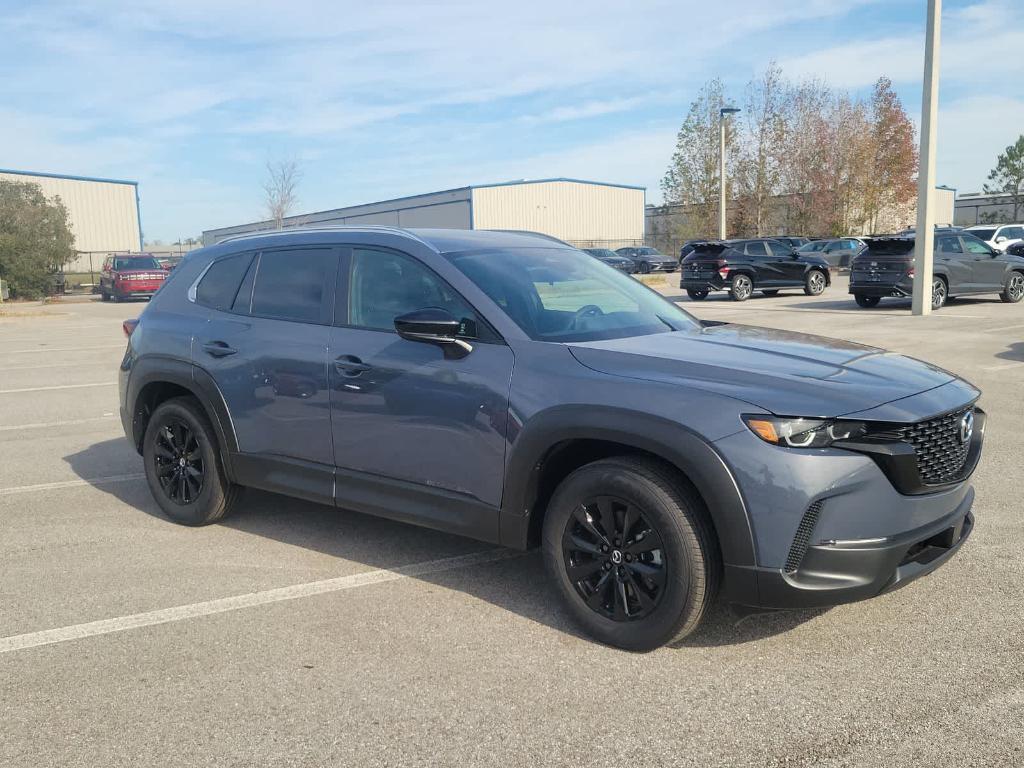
(403,414)
(988,269)
(786,264)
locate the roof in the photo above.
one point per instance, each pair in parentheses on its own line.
(67,176)
(441,240)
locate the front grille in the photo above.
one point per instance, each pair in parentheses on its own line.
(798,548)
(940,451)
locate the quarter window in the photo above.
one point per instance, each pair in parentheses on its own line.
(219,285)
(294,284)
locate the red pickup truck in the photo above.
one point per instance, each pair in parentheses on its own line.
(129,277)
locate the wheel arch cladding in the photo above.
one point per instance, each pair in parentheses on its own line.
(556,442)
(155,380)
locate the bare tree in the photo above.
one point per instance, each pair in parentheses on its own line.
(283,177)
(762,149)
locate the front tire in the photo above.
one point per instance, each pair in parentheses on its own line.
(183,466)
(815,283)
(644,268)
(1013,291)
(631,551)
(741,287)
(866,301)
(696,295)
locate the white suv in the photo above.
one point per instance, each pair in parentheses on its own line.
(998,236)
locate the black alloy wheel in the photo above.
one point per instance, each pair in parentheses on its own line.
(645,268)
(615,558)
(180,469)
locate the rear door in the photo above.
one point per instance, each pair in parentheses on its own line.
(765,273)
(266,349)
(404,415)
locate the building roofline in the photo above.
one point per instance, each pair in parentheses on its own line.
(517,182)
(68,177)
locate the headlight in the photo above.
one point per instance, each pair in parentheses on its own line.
(804,433)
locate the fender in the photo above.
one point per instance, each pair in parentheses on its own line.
(155,369)
(690,453)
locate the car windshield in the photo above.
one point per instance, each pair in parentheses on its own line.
(136,263)
(603,253)
(648,252)
(984,234)
(562,295)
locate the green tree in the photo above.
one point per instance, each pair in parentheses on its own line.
(1008,176)
(35,238)
(692,176)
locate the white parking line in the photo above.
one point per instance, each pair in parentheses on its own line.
(85,364)
(70,484)
(1004,328)
(58,386)
(60,349)
(48,424)
(225,604)
(1002,366)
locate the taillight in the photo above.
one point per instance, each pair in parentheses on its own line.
(910,273)
(723,271)
(128,326)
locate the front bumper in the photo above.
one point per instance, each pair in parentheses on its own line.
(657,266)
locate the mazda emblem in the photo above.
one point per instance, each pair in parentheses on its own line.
(966,427)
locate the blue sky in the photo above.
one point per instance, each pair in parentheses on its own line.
(384,99)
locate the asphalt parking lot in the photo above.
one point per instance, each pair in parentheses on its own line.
(295,634)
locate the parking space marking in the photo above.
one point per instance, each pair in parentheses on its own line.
(71,484)
(97,363)
(1002,366)
(60,349)
(58,386)
(251,600)
(48,424)
(1004,328)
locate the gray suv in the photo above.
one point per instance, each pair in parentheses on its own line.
(510,388)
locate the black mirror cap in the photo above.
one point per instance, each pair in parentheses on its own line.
(434,325)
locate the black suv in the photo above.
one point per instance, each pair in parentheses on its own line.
(744,266)
(962,265)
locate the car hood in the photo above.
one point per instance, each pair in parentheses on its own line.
(788,374)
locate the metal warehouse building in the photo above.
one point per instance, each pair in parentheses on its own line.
(584,213)
(104,213)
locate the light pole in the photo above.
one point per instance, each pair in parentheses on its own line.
(924,234)
(721,168)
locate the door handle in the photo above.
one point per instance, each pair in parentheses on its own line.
(350,365)
(218,349)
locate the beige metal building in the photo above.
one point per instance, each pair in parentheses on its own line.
(104,213)
(581,212)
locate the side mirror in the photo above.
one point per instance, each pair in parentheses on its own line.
(433,326)
(1002,239)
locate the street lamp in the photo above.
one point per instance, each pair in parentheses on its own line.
(721,168)
(924,233)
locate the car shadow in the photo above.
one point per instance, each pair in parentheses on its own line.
(1014,352)
(516,584)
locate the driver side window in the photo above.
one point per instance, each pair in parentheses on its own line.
(976,246)
(384,285)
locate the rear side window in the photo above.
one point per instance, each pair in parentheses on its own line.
(756,249)
(219,285)
(295,284)
(950,245)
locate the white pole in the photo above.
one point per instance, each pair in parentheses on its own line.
(721,176)
(924,238)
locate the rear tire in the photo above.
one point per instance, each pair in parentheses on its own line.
(1013,291)
(183,466)
(741,287)
(696,295)
(659,540)
(815,283)
(866,301)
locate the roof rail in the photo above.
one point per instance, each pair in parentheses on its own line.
(327,228)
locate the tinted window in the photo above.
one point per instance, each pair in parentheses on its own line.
(219,285)
(756,249)
(949,245)
(973,245)
(1013,233)
(385,285)
(780,249)
(984,234)
(136,263)
(292,284)
(561,294)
